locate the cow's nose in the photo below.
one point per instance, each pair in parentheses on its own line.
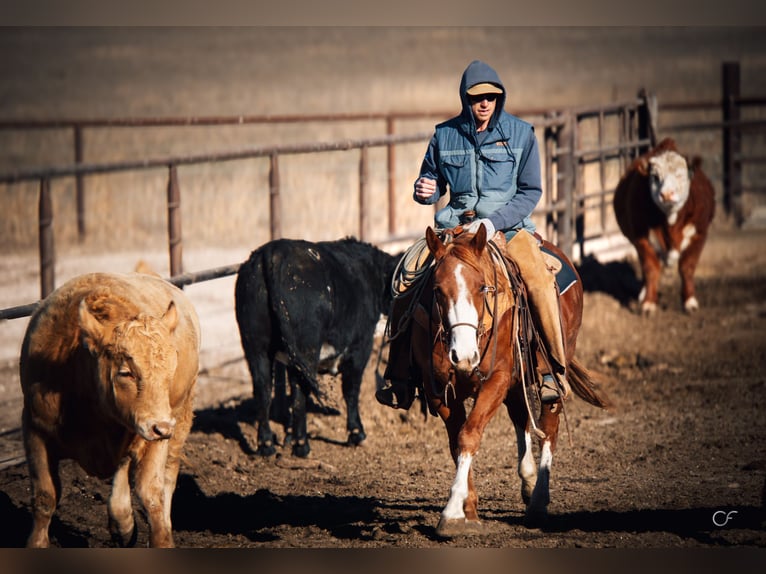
(163,429)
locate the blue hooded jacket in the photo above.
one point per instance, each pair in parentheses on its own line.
(497,176)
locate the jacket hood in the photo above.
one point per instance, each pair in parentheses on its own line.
(479,72)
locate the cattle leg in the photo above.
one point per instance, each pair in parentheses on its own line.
(122,524)
(650,269)
(301,446)
(351,377)
(150,489)
(173,463)
(686,268)
(46,486)
(537,510)
(261,372)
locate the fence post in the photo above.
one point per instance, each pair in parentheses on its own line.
(275,204)
(363,200)
(45,232)
(549,137)
(647,120)
(565,188)
(732,167)
(79,183)
(174,223)
(391,150)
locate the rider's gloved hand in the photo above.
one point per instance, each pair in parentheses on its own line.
(473,227)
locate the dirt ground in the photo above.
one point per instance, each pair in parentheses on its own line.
(683,449)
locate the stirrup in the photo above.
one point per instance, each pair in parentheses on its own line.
(549,390)
(396,394)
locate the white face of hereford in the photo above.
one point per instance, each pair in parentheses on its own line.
(669,178)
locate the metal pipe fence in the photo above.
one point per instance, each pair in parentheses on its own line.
(572,139)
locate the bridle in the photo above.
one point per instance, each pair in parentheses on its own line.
(442,334)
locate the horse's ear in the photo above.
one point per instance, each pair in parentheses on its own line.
(479,240)
(435,244)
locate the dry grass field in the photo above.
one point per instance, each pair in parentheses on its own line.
(687,438)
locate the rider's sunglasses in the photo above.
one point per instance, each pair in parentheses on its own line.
(481,97)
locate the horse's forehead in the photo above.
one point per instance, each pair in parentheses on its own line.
(453,271)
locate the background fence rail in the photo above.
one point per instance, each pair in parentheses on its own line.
(576,203)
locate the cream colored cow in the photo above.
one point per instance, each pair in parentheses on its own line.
(108,369)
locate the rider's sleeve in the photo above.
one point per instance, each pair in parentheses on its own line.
(430,169)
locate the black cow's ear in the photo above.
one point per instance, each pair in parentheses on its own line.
(91,328)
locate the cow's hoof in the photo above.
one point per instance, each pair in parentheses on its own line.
(126,540)
(356,437)
(266,449)
(301,449)
(536,518)
(648,308)
(691,305)
(451,527)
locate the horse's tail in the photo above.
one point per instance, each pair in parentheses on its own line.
(585,387)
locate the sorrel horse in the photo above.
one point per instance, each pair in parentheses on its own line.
(465,342)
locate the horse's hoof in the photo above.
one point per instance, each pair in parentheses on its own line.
(450,527)
(474,527)
(535,518)
(356,437)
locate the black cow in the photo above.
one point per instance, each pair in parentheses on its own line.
(312,308)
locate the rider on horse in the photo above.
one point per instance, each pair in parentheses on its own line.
(491,163)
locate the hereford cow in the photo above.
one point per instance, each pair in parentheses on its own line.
(312,308)
(108,368)
(664,207)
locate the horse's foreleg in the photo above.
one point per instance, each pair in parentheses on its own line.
(453,517)
(537,510)
(462,508)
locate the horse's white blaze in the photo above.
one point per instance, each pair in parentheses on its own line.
(461,312)
(459,489)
